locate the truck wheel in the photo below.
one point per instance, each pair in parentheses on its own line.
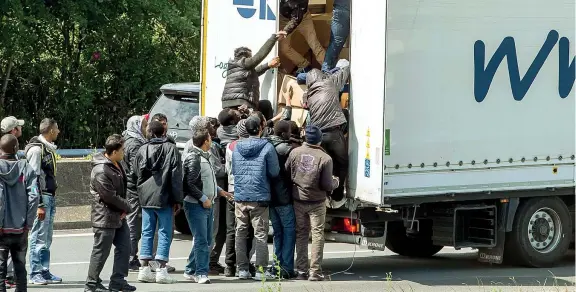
(181,223)
(420,246)
(541,233)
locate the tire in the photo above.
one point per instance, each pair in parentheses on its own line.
(541,233)
(182,223)
(419,247)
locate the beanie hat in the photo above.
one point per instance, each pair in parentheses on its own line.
(253,125)
(313,135)
(241,129)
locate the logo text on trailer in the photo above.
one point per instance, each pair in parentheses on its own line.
(247,10)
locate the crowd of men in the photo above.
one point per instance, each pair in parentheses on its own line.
(238,172)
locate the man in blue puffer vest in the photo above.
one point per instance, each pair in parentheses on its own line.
(254,163)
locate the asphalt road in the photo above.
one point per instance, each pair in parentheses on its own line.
(450,270)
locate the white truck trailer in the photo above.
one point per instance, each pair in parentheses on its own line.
(462,121)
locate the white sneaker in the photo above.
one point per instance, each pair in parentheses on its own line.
(162,277)
(154,265)
(203,279)
(266,275)
(145,275)
(192,278)
(244,275)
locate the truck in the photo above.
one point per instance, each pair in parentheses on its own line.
(462,120)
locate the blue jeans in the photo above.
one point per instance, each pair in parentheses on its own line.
(201,221)
(339,31)
(283,223)
(164,218)
(41,238)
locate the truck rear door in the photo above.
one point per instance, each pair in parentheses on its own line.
(229,24)
(367,85)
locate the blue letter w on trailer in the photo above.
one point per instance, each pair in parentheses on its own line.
(265,12)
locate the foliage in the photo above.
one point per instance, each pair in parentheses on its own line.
(91,64)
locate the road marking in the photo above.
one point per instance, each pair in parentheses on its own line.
(222,257)
(73,235)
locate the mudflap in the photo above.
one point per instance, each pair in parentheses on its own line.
(495,255)
(375,243)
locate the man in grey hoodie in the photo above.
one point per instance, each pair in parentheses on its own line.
(19,203)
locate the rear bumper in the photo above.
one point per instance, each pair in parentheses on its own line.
(342,238)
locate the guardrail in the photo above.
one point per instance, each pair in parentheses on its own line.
(71,153)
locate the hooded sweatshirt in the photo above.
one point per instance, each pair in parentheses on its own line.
(293,10)
(41,156)
(254,163)
(18,195)
(133,140)
(323,98)
(157,171)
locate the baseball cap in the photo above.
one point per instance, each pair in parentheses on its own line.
(9,123)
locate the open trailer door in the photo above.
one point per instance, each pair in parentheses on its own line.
(226,25)
(367,86)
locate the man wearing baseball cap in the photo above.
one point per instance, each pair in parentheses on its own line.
(12,125)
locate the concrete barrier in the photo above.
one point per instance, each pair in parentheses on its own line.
(73,196)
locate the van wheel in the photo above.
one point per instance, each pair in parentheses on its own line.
(419,246)
(181,223)
(541,233)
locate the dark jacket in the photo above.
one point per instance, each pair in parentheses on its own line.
(18,195)
(42,154)
(157,170)
(310,169)
(254,162)
(108,190)
(323,98)
(282,184)
(131,147)
(242,85)
(293,10)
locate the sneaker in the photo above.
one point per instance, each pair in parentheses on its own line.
(244,275)
(124,288)
(301,276)
(10,282)
(170,268)
(135,265)
(38,280)
(145,275)
(99,288)
(264,276)
(190,277)
(51,278)
(203,279)
(252,270)
(154,265)
(316,277)
(216,269)
(162,277)
(230,271)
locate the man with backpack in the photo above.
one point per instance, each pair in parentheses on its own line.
(41,154)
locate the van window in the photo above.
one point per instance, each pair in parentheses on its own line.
(179,109)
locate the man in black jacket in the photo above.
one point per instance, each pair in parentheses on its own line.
(134,139)
(157,170)
(242,86)
(281,209)
(109,209)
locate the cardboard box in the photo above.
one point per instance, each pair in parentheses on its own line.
(299,116)
(288,82)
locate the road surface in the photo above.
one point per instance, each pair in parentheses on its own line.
(450,270)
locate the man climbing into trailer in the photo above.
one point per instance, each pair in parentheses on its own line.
(339,31)
(242,86)
(294,16)
(322,99)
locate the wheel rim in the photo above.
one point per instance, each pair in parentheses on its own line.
(544,230)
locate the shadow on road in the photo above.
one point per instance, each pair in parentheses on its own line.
(446,269)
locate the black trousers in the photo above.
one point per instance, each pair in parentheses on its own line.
(135,224)
(231,236)
(219,230)
(334,143)
(15,245)
(104,238)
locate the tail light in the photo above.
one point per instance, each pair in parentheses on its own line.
(345,225)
